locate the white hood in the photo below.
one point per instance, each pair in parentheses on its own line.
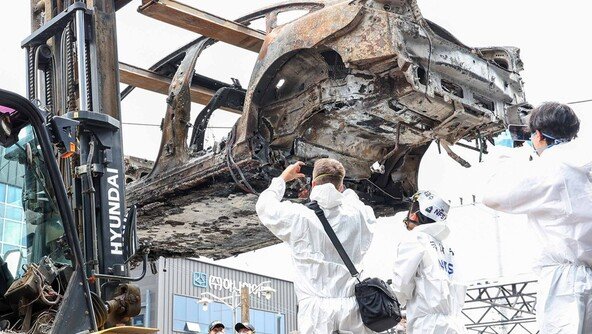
(326,195)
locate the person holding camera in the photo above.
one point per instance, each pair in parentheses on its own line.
(555,192)
(323,284)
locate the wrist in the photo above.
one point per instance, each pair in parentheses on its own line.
(285,177)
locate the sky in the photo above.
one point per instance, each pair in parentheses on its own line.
(554,48)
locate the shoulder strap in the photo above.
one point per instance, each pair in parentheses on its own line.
(313,205)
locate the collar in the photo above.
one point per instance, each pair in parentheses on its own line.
(438,230)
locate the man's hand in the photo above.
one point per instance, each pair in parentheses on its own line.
(292,172)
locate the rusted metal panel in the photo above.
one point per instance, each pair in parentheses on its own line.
(154,82)
(305,33)
(173,148)
(203,23)
(365,82)
(136,168)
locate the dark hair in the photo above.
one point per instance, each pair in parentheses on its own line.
(556,120)
(414,207)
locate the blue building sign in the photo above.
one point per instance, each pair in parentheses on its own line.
(200,280)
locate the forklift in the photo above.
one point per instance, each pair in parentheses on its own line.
(64,143)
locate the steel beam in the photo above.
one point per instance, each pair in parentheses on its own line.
(120,3)
(501,307)
(103,54)
(203,23)
(154,82)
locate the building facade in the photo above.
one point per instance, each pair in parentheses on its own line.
(186,295)
(13,230)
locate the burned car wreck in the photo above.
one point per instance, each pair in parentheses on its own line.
(370,83)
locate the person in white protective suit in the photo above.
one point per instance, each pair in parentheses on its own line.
(554,190)
(424,270)
(324,286)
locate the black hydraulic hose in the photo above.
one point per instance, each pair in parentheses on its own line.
(49,71)
(90,189)
(70,88)
(88,78)
(64,73)
(31,72)
(91,153)
(125,278)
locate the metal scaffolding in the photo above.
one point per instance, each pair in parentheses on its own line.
(501,308)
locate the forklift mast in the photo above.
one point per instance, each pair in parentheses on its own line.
(72,71)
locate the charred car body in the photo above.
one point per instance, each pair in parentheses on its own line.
(370,83)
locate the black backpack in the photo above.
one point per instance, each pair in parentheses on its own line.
(379,308)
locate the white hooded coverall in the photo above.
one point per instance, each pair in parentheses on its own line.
(324,286)
(555,192)
(424,281)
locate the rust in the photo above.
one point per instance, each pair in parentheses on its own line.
(173,148)
(364,82)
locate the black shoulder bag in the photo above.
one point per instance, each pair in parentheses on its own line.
(378,305)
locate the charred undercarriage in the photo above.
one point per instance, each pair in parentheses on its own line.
(370,83)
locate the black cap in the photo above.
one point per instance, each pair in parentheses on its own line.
(242,325)
(214,324)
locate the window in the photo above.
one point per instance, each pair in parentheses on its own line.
(12,225)
(187,310)
(13,196)
(2,188)
(26,191)
(138,320)
(267,322)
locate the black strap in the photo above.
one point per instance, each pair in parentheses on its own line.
(313,205)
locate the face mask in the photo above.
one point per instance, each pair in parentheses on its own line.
(529,143)
(556,141)
(534,149)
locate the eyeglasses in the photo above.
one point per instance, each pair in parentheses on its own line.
(407,220)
